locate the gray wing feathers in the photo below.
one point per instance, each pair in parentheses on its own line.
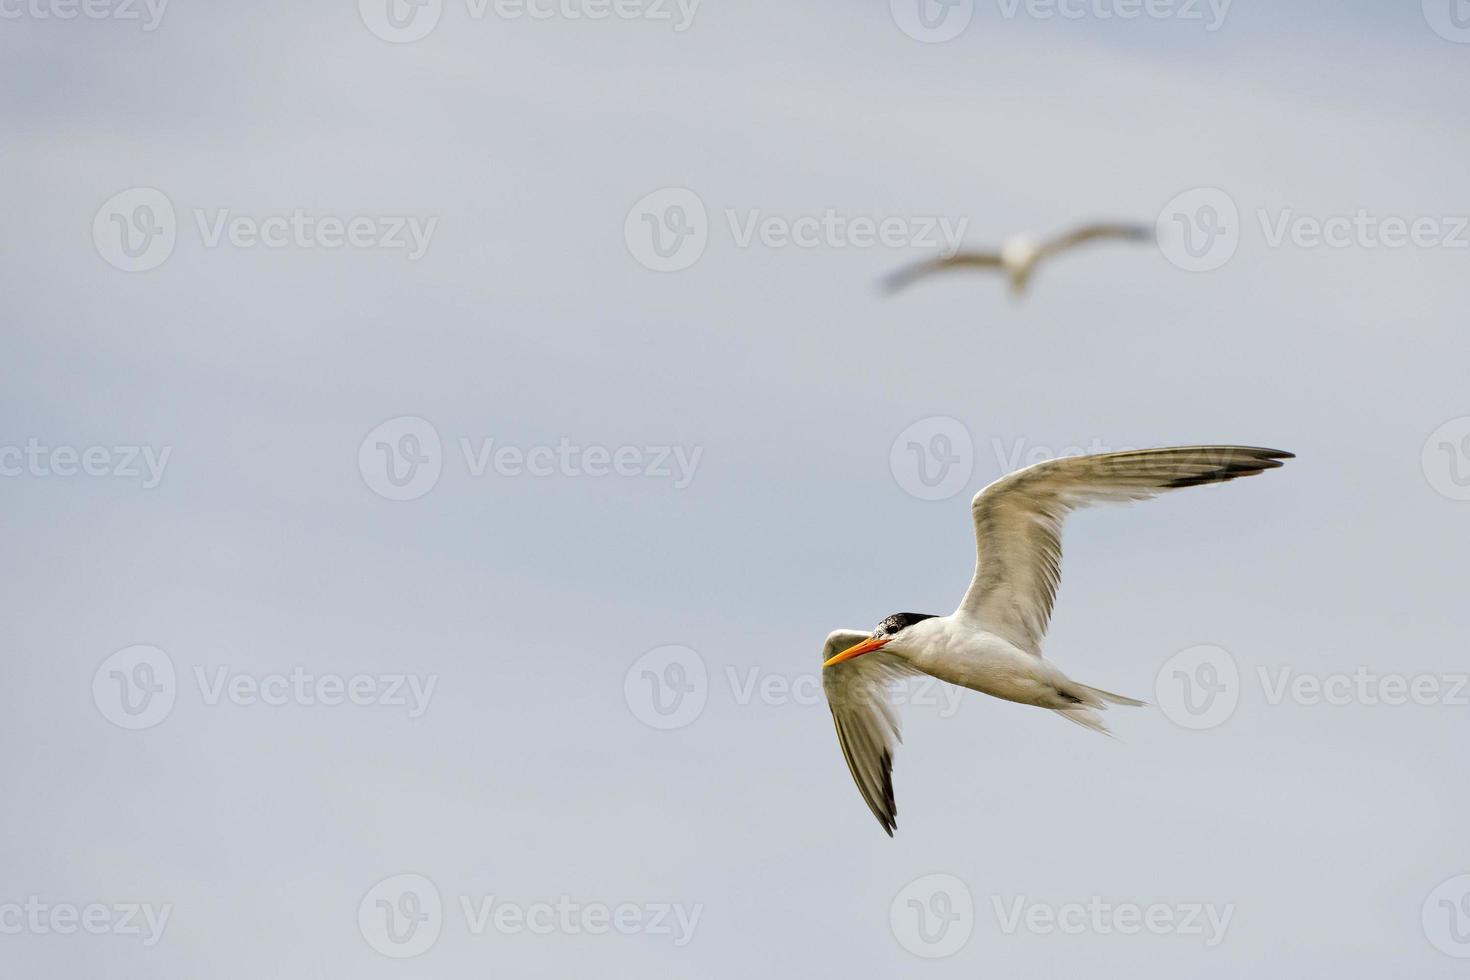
(1018,522)
(867,724)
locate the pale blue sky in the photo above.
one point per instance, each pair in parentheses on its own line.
(528,321)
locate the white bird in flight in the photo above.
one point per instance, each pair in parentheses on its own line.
(992,642)
(1019,256)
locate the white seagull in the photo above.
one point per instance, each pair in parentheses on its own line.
(992,643)
(1019,256)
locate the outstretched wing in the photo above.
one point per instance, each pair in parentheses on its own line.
(867,725)
(1018,523)
(1095,232)
(910,274)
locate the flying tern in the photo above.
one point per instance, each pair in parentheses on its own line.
(1019,256)
(992,642)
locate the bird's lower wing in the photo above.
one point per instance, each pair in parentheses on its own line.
(858,692)
(910,274)
(1018,522)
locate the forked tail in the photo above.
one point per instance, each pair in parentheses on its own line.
(1091,700)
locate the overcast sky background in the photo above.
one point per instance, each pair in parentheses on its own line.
(528,321)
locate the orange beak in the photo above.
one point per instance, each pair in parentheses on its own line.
(867,646)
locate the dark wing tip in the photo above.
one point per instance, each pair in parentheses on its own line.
(900,279)
(1257,461)
(890,805)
